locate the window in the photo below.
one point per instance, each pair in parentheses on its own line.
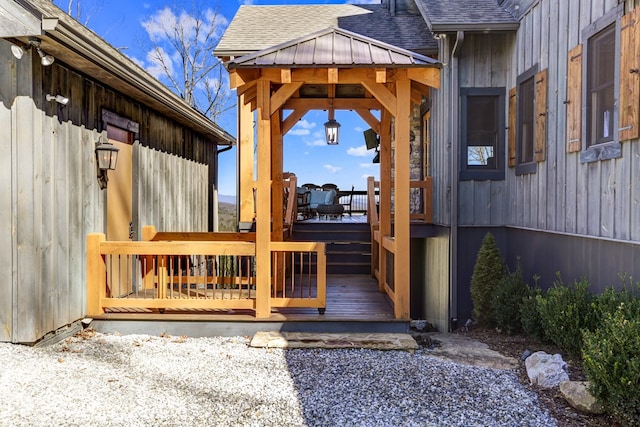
(600,67)
(600,86)
(482,133)
(526,122)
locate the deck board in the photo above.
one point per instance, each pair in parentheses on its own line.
(350,297)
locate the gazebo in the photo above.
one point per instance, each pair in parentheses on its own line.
(332,69)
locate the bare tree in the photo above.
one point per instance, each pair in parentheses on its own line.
(181,55)
(83,15)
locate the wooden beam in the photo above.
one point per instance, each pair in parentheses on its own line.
(381,75)
(416,96)
(321,76)
(292,119)
(332,75)
(276,177)
(238,78)
(263,204)
(369,118)
(283,94)
(428,76)
(402,217)
(338,104)
(382,94)
(285,75)
(385,193)
(250,96)
(241,90)
(246,160)
(423,89)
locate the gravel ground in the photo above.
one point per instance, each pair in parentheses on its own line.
(141,380)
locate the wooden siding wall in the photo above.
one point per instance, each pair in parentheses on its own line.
(597,199)
(485,61)
(440,155)
(50,198)
(172,192)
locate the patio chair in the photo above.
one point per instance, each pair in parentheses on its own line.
(348,199)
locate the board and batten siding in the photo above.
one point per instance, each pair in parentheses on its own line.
(600,198)
(51,200)
(485,61)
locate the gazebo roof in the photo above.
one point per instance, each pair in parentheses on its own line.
(332,47)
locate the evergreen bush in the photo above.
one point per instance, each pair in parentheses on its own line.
(611,359)
(529,314)
(487,273)
(507,299)
(565,311)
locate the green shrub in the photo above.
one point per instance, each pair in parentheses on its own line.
(487,273)
(529,314)
(565,311)
(611,361)
(507,298)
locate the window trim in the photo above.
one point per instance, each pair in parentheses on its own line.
(612,149)
(479,174)
(532,166)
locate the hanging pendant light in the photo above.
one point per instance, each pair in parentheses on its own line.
(332,129)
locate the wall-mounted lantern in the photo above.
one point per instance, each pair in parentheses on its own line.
(107,157)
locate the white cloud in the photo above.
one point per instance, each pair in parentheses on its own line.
(366,165)
(164,24)
(246,1)
(318,142)
(358,129)
(360,151)
(302,128)
(332,169)
(363,1)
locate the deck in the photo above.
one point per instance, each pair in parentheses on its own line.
(354,304)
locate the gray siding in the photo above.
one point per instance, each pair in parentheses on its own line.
(50,198)
(485,61)
(593,199)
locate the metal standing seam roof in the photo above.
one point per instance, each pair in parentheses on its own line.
(332,47)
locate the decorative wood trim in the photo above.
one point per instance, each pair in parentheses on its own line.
(332,75)
(574,100)
(512,138)
(541,83)
(629,114)
(381,75)
(382,94)
(113,119)
(283,94)
(338,104)
(293,118)
(369,118)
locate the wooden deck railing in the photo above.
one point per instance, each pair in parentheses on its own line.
(421,212)
(199,271)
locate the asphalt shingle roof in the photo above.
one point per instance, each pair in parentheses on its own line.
(453,15)
(256,28)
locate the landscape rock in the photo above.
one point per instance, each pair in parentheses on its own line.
(546,370)
(577,395)
(525,354)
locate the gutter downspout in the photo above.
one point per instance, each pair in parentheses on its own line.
(455,152)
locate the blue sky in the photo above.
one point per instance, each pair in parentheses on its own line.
(121,23)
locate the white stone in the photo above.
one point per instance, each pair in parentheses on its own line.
(546,370)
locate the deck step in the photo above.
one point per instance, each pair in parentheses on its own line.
(348,245)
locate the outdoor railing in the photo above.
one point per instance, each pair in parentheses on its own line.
(196,271)
(383,247)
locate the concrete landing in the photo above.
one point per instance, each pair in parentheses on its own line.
(464,350)
(374,341)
